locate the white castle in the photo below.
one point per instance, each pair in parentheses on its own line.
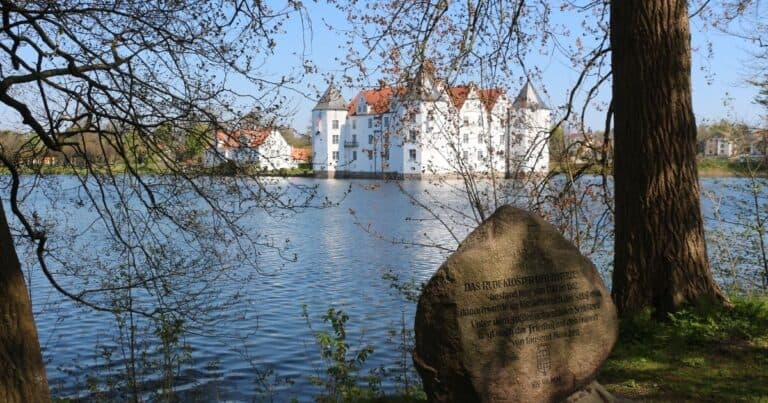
(433,130)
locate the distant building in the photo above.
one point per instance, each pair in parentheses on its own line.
(302,155)
(429,130)
(758,144)
(719,146)
(588,146)
(265,147)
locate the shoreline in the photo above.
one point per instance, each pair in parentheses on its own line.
(707,168)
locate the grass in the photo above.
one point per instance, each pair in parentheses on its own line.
(157,169)
(707,166)
(703,354)
(700,355)
(394,399)
(712,166)
(588,169)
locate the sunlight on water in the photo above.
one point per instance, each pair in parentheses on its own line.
(341,259)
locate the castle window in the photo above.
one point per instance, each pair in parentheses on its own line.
(370,123)
(370,139)
(386,121)
(335,124)
(335,155)
(412,155)
(335,139)
(354,155)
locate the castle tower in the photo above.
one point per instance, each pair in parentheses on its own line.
(328,118)
(530,123)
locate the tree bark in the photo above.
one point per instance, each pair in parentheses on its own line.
(660,255)
(22,373)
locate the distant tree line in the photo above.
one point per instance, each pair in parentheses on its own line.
(184,145)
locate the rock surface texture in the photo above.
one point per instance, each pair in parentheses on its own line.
(516,314)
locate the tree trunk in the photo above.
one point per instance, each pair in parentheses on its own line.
(660,255)
(22,373)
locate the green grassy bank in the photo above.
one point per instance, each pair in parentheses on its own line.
(707,167)
(700,355)
(157,169)
(731,167)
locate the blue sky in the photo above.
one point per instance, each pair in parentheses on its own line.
(720,88)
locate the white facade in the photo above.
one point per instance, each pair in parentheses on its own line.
(758,145)
(719,146)
(430,131)
(328,119)
(265,147)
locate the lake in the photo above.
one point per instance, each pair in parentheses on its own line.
(260,345)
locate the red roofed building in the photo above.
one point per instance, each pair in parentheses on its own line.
(265,147)
(429,130)
(301,154)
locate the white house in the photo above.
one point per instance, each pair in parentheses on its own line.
(719,146)
(265,147)
(758,144)
(429,130)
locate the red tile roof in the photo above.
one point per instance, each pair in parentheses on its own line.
(242,138)
(379,99)
(459,95)
(301,154)
(489,97)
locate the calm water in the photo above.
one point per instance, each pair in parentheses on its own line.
(338,265)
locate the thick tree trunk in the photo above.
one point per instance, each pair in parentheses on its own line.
(660,255)
(22,373)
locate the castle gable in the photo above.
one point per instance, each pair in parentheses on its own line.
(331,100)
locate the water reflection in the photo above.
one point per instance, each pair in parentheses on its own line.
(342,254)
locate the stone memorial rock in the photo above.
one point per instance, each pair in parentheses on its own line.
(516,314)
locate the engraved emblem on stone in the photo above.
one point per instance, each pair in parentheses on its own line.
(543,362)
